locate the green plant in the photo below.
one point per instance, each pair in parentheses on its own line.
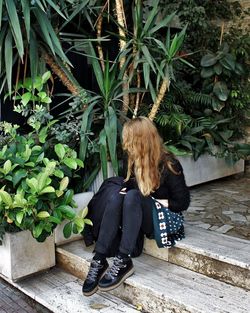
(35,177)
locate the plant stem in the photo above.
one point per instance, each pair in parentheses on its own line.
(163,89)
(59,72)
(99,33)
(137,102)
(122,25)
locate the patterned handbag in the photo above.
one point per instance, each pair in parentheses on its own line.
(168,225)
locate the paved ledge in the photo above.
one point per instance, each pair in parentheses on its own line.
(215,255)
(163,287)
(60,292)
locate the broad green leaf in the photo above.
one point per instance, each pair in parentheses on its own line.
(71,163)
(50,167)
(43,214)
(16,28)
(54,219)
(221,91)
(42,178)
(68,196)
(59,193)
(33,184)
(6,197)
(209,60)
(37,231)
(19,217)
(79,222)
(48,189)
(19,201)
(46,76)
(217,68)
(228,62)
(88,221)
(18,175)
(207,72)
(43,134)
(64,183)
(67,211)
(67,230)
(79,163)
(7,167)
(84,212)
(58,173)
(60,151)
(26,98)
(42,94)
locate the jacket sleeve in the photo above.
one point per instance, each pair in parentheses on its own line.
(178,192)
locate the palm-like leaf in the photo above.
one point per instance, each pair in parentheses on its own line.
(27,26)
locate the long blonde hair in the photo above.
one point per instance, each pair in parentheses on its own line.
(145,150)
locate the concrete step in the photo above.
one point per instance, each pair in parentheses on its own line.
(210,253)
(60,292)
(159,286)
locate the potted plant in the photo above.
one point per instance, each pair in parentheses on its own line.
(34,199)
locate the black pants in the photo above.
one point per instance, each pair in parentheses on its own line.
(130,213)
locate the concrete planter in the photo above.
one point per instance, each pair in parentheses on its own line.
(205,169)
(208,168)
(82,200)
(21,255)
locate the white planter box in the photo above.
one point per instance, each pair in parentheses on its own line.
(207,168)
(21,255)
(82,200)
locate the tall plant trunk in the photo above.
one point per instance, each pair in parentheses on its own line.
(122,25)
(99,46)
(62,76)
(137,102)
(163,89)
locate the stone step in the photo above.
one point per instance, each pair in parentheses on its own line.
(159,286)
(210,253)
(60,292)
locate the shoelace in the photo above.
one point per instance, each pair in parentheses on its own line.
(93,271)
(115,268)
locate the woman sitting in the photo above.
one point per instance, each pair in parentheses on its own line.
(121,211)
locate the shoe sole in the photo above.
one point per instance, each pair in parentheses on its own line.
(90,293)
(129,273)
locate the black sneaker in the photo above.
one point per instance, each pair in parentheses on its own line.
(96,270)
(116,274)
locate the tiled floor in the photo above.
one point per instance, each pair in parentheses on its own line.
(222,206)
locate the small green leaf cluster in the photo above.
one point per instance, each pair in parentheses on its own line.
(34,179)
(217,70)
(32,100)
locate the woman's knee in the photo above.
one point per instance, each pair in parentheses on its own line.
(132,196)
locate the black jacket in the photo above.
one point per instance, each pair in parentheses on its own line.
(172,187)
